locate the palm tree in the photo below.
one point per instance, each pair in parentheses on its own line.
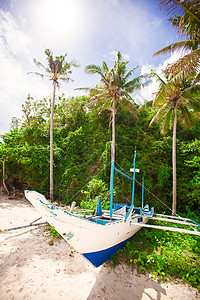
(176,101)
(115,87)
(57,69)
(185,16)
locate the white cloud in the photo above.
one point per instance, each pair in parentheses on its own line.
(155,23)
(13,41)
(15,84)
(148,92)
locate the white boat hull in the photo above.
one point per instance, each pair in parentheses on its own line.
(96,242)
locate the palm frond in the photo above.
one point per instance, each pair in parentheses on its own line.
(105,67)
(74,63)
(159,79)
(136,84)
(129,106)
(168,121)
(146,104)
(186,26)
(185,16)
(179,7)
(39,64)
(65,78)
(118,60)
(182,45)
(38,74)
(87,89)
(186,66)
(94,69)
(49,53)
(127,95)
(170,7)
(100,97)
(160,97)
(192,102)
(105,106)
(160,114)
(197,79)
(129,73)
(185,117)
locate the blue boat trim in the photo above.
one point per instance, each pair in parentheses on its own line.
(99,257)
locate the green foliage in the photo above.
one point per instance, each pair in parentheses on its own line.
(53,232)
(95,189)
(163,253)
(82,150)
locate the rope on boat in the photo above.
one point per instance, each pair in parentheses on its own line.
(126,175)
(190,225)
(146,189)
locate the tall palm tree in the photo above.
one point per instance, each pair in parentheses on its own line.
(115,87)
(57,69)
(176,101)
(185,16)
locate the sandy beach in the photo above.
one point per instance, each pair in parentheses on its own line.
(33,266)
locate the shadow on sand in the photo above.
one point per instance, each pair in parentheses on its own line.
(124,283)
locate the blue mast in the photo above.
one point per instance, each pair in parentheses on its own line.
(133,193)
(142,192)
(111,181)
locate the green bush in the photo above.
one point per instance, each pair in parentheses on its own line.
(53,232)
(164,253)
(95,189)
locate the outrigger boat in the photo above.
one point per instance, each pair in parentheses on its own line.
(99,236)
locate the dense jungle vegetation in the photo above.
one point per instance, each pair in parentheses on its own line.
(82,154)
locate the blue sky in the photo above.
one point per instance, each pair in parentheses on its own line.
(89,31)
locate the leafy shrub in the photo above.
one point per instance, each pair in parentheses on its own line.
(53,232)
(163,253)
(95,189)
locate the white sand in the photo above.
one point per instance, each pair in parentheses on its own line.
(32,269)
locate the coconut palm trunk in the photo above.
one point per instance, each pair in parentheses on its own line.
(51,142)
(174,161)
(113,143)
(114,89)
(58,69)
(113,128)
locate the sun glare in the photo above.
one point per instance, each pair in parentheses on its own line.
(60,15)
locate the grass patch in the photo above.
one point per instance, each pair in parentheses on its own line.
(163,253)
(53,232)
